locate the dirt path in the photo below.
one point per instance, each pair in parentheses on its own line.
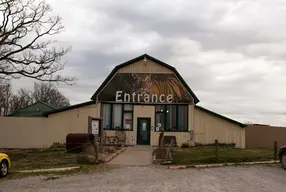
(148,178)
(134,156)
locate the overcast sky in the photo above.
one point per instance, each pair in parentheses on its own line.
(231,53)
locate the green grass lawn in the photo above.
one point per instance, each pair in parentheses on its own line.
(26,159)
(200,155)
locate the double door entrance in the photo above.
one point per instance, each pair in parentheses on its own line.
(143,131)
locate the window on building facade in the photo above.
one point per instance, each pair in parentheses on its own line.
(128,117)
(171,113)
(117,116)
(159,121)
(171,118)
(160,108)
(105,115)
(128,107)
(183,118)
(127,121)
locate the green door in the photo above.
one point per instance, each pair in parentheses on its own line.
(143,131)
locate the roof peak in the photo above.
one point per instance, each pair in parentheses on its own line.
(117,67)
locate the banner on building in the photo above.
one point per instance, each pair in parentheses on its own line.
(145,88)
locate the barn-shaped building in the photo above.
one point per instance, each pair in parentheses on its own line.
(142,97)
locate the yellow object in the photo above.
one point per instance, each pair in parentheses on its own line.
(5,164)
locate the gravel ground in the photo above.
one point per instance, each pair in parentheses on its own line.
(141,178)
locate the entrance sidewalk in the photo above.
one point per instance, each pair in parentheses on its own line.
(134,156)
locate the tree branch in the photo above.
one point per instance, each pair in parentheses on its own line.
(22,53)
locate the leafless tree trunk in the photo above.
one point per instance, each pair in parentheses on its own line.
(5,96)
(24,48)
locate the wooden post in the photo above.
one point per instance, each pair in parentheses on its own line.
(161,140)
(275,150)
(169,149)
(96,149)
(101,137)
(100,130)
(216,150)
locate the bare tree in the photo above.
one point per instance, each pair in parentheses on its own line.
(20,100)
(48,93)
(24,48)
(44,92)
(5,96)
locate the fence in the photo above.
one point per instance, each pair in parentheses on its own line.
(24,133)
(263,136)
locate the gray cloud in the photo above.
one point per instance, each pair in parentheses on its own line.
(231,53)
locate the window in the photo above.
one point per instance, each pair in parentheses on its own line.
(173,118)
(105,115)
(182,118)
(127,121)
(117,116)
(160,108)
(159,121)
(128,117)
(128,107)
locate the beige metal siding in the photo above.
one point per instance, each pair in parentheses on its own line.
(42,132)
(72,121)
(144,67)
(208,127)
(191,117)
(23,132)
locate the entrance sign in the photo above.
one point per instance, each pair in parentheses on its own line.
(154,98)
(145,88)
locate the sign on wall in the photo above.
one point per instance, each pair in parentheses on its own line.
(95,126)
(145,88)
(128,123)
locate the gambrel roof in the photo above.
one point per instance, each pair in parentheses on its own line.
(148,57)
